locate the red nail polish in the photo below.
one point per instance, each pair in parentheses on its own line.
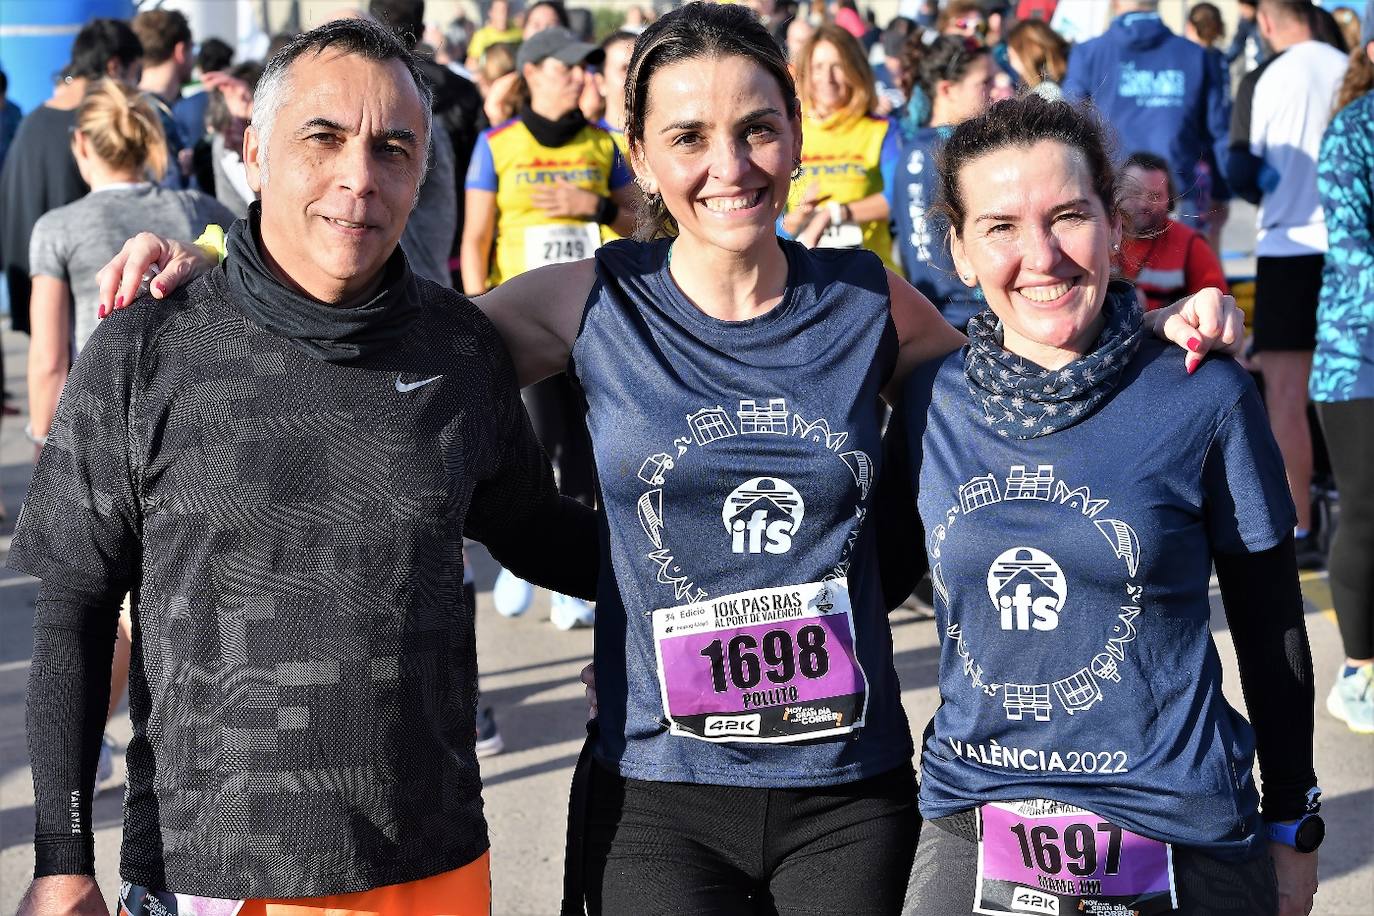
(1192,366)
(119,302)
(100,312)
(1194,343)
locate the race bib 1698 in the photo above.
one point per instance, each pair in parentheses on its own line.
(772,664)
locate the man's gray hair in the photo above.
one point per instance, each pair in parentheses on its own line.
(347,36)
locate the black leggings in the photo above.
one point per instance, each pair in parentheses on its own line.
(559,417)
(945,874)
(1349,429)
(659,848)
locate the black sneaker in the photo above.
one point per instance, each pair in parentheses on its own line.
(1309,552)
(489,742)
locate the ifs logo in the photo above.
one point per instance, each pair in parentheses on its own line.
(1027,587)
(762,514)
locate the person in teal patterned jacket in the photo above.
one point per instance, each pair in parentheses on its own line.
(1342,381)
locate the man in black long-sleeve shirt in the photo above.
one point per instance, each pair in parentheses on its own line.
(279,463)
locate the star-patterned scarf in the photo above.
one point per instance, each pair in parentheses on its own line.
(1022,400)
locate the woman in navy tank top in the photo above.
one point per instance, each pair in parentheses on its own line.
(752,754)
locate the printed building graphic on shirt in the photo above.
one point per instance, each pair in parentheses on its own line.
(1029,592)
(762,514)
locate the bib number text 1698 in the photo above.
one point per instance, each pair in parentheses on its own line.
(739,664)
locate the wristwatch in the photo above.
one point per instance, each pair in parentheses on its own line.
(1307,832)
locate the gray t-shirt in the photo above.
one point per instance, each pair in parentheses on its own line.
(71,243)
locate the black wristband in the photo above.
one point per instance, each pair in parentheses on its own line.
(606,210)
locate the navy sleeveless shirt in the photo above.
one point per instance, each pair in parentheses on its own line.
(740,635)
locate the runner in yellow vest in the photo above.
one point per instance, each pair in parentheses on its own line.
(848,156)
(544,187)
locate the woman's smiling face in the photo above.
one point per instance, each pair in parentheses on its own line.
(720,143)
(1038,239)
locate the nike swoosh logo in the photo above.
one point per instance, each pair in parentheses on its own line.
(411,386)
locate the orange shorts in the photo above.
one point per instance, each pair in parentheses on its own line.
(463,891)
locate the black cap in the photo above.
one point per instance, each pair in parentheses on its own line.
(561,45)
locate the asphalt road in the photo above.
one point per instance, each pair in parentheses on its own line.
(529,675)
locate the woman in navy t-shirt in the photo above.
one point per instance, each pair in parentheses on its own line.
(1074,498)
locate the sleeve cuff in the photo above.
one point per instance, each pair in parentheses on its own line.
(64,855)
(1281,802)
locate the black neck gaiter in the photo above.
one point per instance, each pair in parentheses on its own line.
(331,333)
(553,133)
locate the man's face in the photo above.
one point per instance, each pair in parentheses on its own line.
(539,19)
(1145,201)
(344,159)
(894,69)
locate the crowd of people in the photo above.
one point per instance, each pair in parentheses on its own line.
(728,327)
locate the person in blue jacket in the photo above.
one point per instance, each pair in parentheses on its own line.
(1162,93)
(1342,380)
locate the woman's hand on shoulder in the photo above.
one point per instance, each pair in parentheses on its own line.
(1207,321)
(538,315)
(923,333)
(164,263)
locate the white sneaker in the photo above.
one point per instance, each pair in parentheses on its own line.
(489,741)
(569,613)
(1352,700)
(511,595)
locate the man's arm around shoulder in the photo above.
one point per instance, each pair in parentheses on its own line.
(517,512)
